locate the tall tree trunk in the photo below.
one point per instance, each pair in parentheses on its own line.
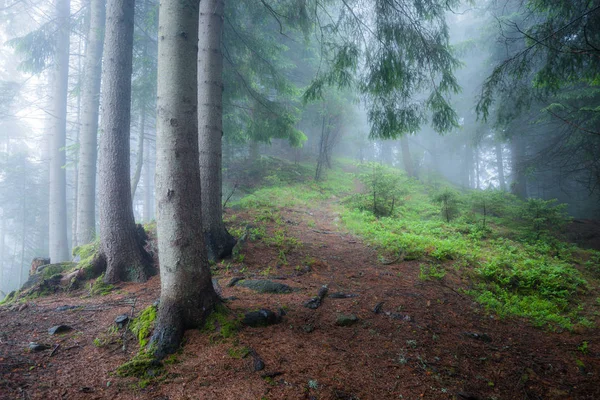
(253,150)
(477,170)
(88,140)
(121,246)
(59,246)
(406,158)
(519,180)
(140,152)
(187,295)
(500,166)
(148,189)
(467,166)
(218,241)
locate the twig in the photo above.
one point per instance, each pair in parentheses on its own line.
(230,194)
(127,325)
(399,258)
(54,350)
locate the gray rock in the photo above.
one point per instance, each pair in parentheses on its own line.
(340,295)
(59,329)
(38,347)
(65,308)
(484,337)
(265,286)
(261,317)
(233,281)
(378,307)
(122,320)
(346,320)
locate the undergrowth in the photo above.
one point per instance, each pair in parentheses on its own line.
(511,250)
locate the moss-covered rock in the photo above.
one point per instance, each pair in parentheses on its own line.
(221,324)
(143,325)
(265,286)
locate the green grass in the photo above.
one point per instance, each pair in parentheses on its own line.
(506,247)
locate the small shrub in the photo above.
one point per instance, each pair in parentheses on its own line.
(449,200)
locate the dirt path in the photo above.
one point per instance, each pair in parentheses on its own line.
(428,341)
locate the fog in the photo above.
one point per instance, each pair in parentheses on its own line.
(525,122)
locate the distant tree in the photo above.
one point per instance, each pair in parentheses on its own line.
(88,135)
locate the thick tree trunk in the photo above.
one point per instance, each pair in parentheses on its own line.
(187,294)
(59,246)
(519,180)
(121,246)
(88,139)
(218,241)
(406,158)
(500,166)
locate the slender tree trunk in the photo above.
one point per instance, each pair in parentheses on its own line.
(406,158)
(500,166)
(121,246)
(477,171)
(140,153)
(59,246)
(519,180)
(88,140)
(76,163)
(148,189)
(210,128)
(187,295)
(467,170)
(2,250)
(253,151)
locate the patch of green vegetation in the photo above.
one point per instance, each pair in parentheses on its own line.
(11,297)
(101,288)
(52,270)
(238,352)
(143,366)
(143,325)
(110,336)
(221,324)
(87,254)
(431,271)
(284,243)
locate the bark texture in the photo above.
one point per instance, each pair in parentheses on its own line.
(219,242)
(88,136)
(121,245)
(187,294)
(59,246)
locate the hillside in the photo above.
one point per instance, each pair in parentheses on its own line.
(443,295)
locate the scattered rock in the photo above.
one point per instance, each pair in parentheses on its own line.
(340,395)
(340,295)
(271,374)
(265,286)
(400,317)
(315,302)
(479,336)
(65,308)
(260,318)
(308,328)
(217,287)
(22,307)
(59,329)
(257,363)
(38,347)
(122,320)
(346,320)
(378,307)
(233,281)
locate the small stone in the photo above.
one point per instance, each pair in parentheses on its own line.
(258,364)
(261,318)
(59,329)
(346,320)
(340,295)
(378,307)
(308,328)
(313,303)
(38,347)
(65,308)
(484,337)
(122,320)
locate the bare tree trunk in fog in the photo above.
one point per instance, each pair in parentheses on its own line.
(467,166)
(210,128)
(406,158)
(148,189)
(88,140)
(387,156)
(2,247)
(121,246)
(321,154)
(253,151)
(140,152)
(59,246)
(517,154)
(476,150)
(500,166)
(187,295)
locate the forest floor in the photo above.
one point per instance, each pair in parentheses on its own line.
(428,341)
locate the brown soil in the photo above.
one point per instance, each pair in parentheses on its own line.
(422,345)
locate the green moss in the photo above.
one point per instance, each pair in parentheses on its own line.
(87,254)
(238,352)
(220,324)
(52,270)
(100,287)
(143,325)
(11,297)
(142,365)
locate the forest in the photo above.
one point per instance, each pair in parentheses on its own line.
(299,199)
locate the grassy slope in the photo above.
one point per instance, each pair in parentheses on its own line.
(513,263)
